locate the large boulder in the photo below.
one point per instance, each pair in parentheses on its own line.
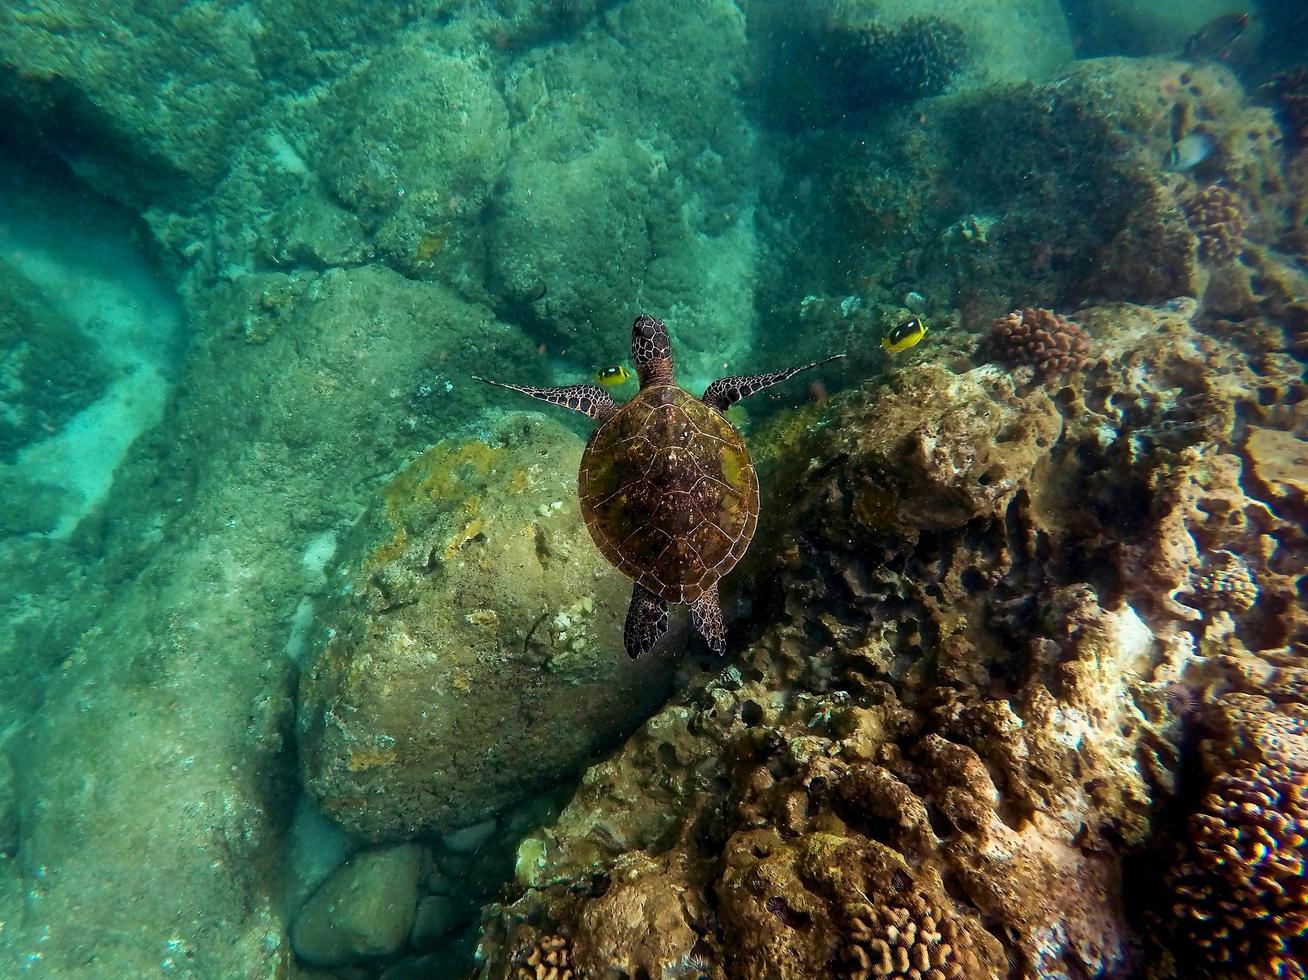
(472,650)
(629,195)
(145,100)
(364,910)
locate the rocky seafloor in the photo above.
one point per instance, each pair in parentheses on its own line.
(329,681)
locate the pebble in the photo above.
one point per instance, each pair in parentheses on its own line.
(468,839)
(437,917)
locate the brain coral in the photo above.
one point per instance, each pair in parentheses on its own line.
(912,940)
(1050,343)
(1216,216)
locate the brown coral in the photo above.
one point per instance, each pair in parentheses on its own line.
(1241,894)
(1050,343)
(1217,218)
(549,959)
(1290,89)
(1227,584)
(915,940)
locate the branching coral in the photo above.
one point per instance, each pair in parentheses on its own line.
(1050,343)
(549,959)
(1216,216)
(1241,894)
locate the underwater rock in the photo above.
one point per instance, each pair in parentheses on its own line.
(437,915)
(145,102)
(49,369)
(309,230)
(630,197)
(472,652)
(413,143)
(364,910)
(945,449)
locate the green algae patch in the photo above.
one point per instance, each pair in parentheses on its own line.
(439,475)
(473,646)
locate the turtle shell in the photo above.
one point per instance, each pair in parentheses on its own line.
(669,493)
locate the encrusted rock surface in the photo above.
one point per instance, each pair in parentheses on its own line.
(472,652)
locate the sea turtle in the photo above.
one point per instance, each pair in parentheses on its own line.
(667,488)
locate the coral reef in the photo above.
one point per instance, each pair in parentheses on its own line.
(957,716)
(1020,648)
(1217,218)
(912,939)
(1237,894)
(1052,345)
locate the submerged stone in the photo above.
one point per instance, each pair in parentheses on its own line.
(473,650)
(365,909)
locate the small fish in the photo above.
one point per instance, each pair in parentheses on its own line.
(905,335)
(611,377)
(1190,151)
(1216,39)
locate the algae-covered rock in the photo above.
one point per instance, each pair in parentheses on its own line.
(474,652)
(946,449)
(49,369)
(147,100)
(413,143)
(365,909)
(622,189)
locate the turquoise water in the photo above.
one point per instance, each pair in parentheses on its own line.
(973,648)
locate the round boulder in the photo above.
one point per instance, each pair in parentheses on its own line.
(471,652)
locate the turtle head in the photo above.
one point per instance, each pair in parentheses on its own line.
(651,350)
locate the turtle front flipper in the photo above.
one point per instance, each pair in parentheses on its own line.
(587,399)
(726,391)
(706,615)
(647,621)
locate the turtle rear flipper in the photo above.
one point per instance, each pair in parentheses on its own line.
(706,615)
(647,621)
(727,391)
(589,400)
